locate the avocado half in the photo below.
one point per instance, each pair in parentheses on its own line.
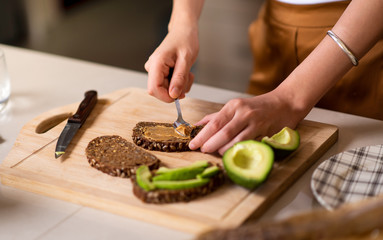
(284,142)
(248,163)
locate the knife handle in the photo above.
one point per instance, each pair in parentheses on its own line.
(86,106)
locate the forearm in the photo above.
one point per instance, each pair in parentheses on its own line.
(185,13)
(360,27)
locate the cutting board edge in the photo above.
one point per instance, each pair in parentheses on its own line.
(188,225)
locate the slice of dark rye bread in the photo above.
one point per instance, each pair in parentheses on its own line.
(173,144)
(161,196)
(116,156)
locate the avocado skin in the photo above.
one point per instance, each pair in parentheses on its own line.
(209,172)
(281,154)
(143,176)
(243,181)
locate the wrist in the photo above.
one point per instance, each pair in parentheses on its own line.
(314,77)
(294,100)
(185,13)
(183,23)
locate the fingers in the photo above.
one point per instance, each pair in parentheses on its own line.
(189,83)
(220,128)
(213,123)
(214,137)
(234,123)
(246,133)
(178,50)
(157,82)
(182,79)
(223,136)
(206,119)
(218,137)
(187,86)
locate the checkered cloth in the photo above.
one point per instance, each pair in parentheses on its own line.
(349,176)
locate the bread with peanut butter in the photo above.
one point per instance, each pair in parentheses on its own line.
(163,137)
(116,156)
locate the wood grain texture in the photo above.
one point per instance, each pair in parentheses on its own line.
(31,164)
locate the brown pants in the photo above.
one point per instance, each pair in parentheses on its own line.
(284,35)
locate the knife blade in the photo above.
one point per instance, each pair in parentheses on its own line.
(75,122)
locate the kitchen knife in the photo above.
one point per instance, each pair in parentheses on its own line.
(75,122)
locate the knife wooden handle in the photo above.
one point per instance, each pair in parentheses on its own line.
(86,106)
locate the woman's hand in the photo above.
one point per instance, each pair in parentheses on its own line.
(245,118)
(178,50)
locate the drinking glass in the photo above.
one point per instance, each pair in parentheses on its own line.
(5,84)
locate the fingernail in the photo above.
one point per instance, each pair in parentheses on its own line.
(175,92)
(192,146)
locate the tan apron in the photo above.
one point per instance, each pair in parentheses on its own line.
(284,35)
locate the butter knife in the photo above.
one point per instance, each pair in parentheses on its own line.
(75,122)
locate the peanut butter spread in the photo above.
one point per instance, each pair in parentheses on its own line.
(163,133)
(184,129)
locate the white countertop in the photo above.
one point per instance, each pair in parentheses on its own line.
(41,82)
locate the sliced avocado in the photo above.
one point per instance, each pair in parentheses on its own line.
(286,139)
(182,173)
(182,184)
(143,176)
(248,163)
(284,142)
(162,170)
(209,172)
(179,174)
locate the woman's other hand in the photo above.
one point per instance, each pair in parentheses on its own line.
(243,119)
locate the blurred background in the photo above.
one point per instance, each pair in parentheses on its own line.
(123,33)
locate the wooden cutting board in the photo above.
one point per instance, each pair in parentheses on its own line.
(31,164)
